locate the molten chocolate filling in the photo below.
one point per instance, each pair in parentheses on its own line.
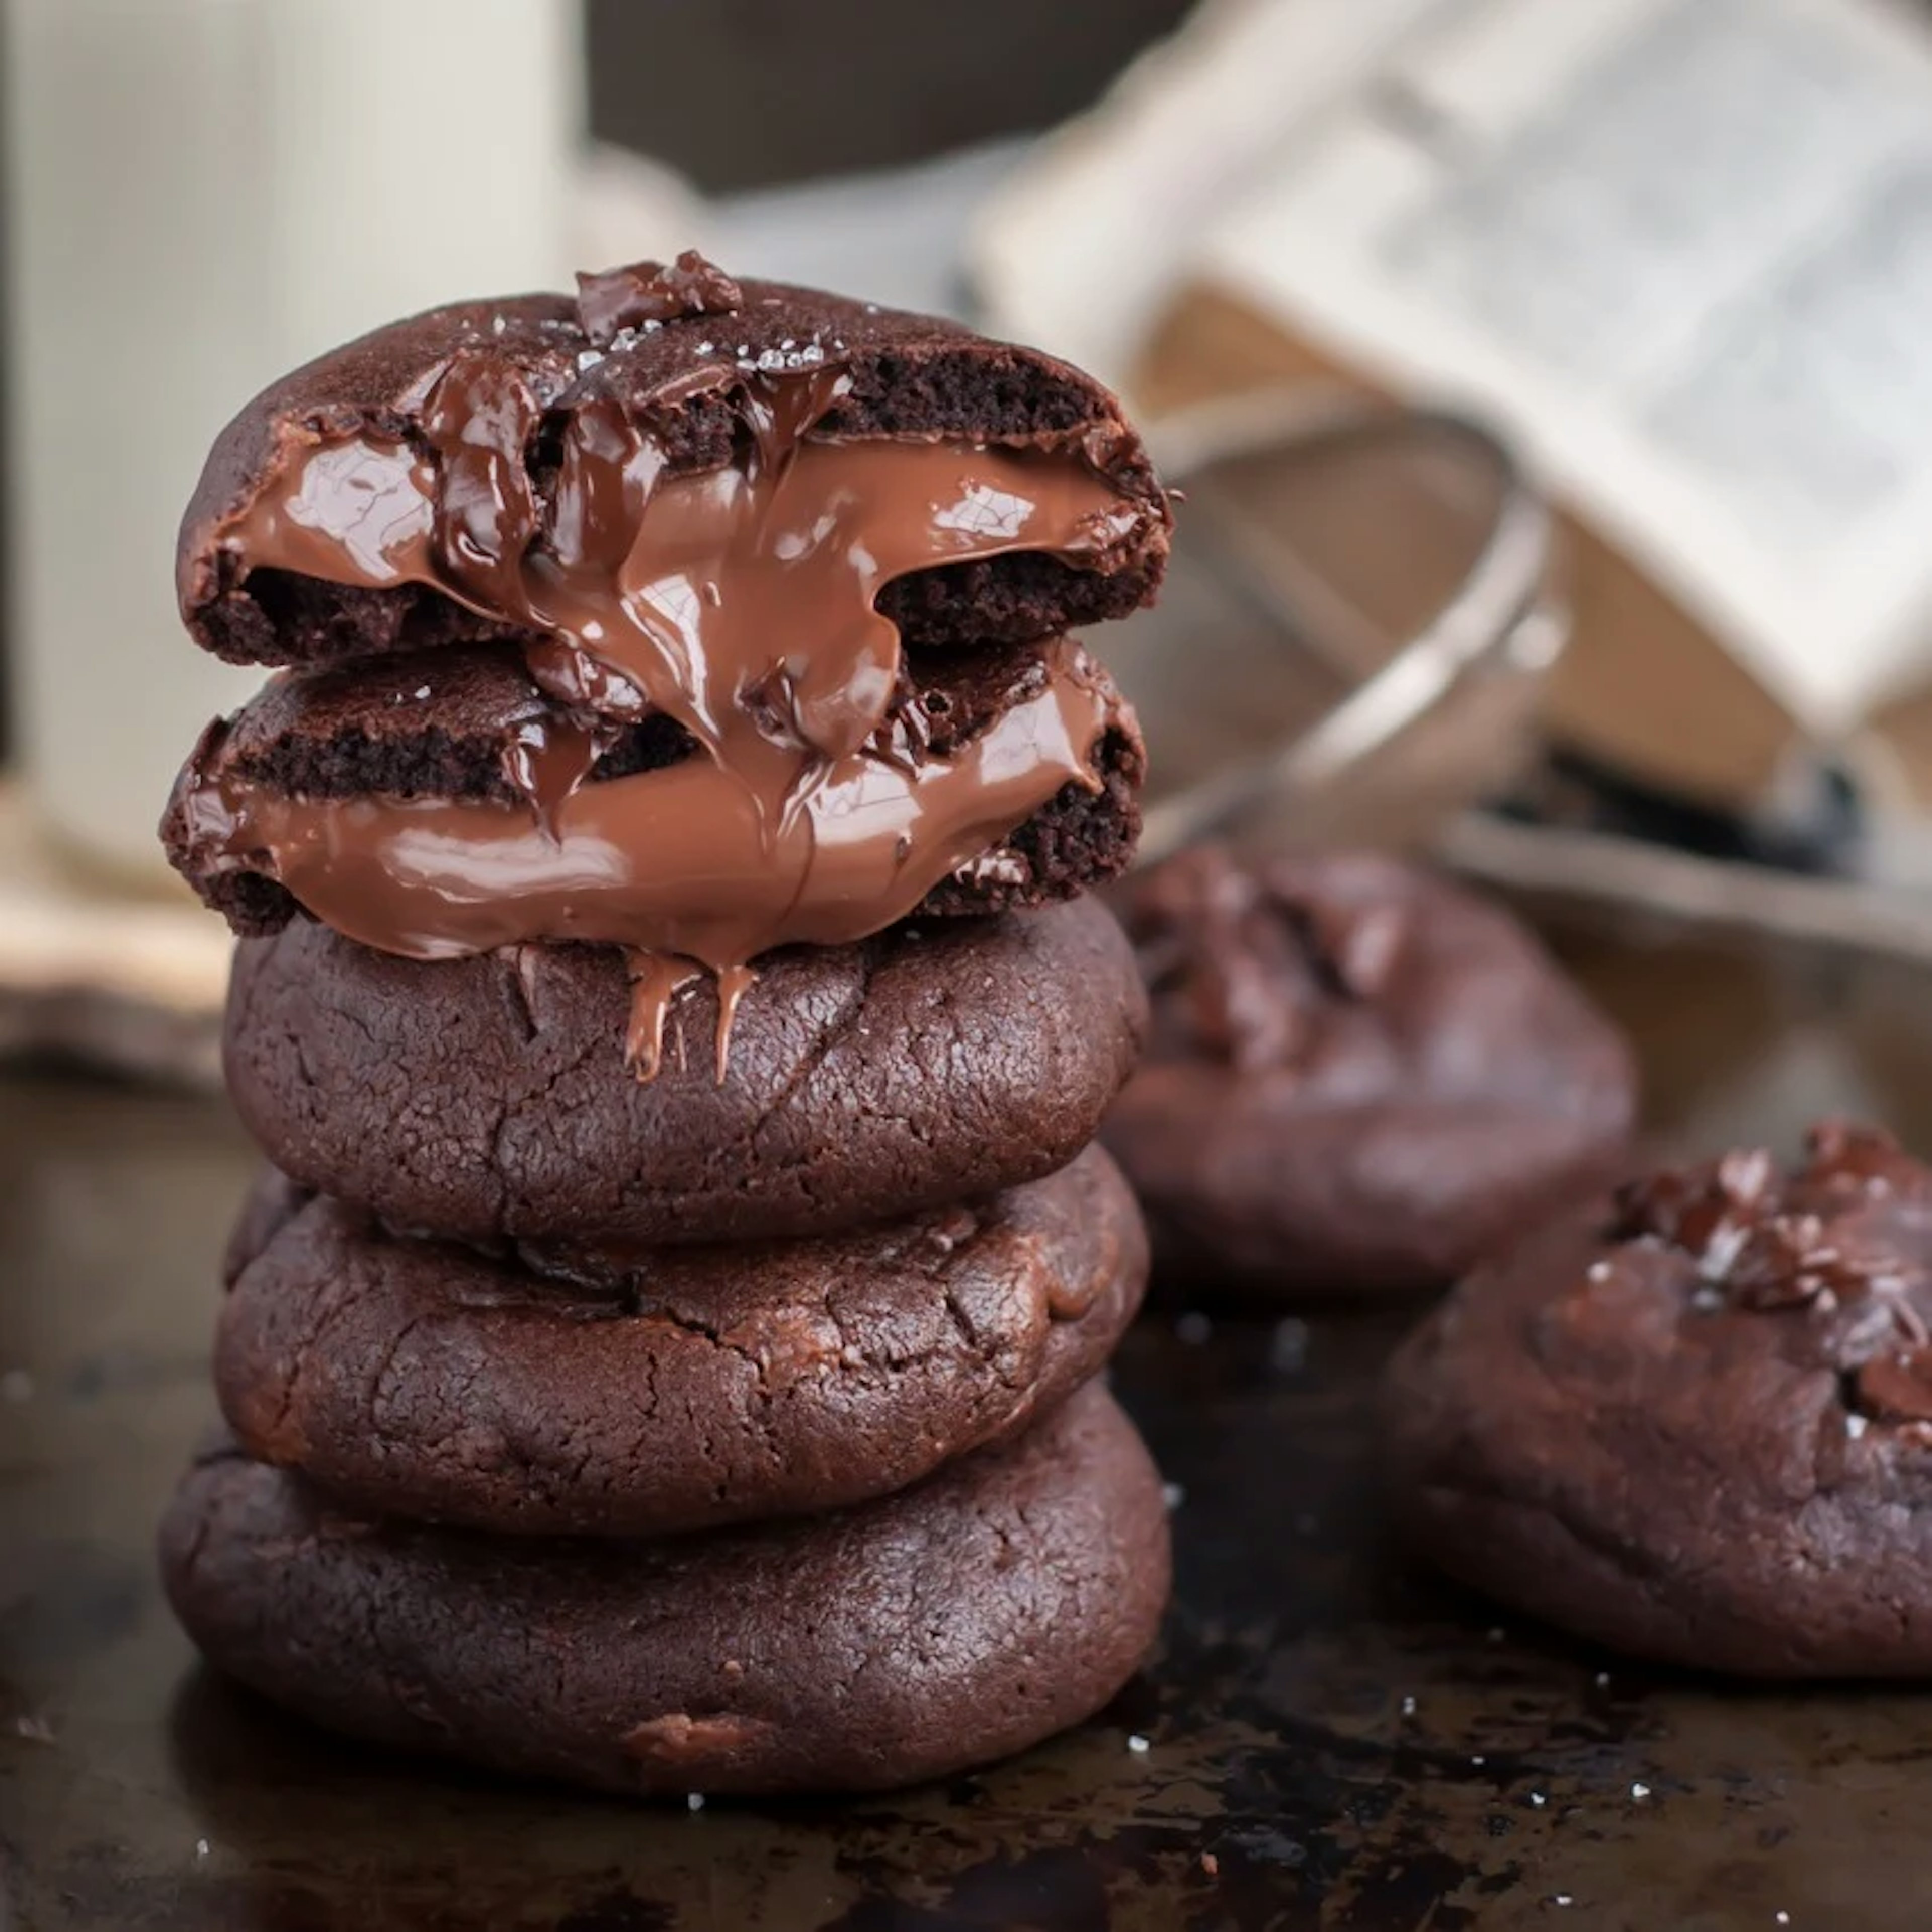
(739,602)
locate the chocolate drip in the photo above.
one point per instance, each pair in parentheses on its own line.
(734,983)
(656,980)
(546,763)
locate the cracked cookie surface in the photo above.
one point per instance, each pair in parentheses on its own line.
(543,1390)
(488,1098)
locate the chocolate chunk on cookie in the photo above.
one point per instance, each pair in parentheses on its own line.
(558,1391)
(1697,1427)
(1007,1598)
(467,726)
(489,1096)
(1361,1078)
(459,437)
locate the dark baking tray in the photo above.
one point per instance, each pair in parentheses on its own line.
(1332,1741)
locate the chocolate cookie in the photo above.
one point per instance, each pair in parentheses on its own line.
(464,725)
(1007,1598)
(1361,1078)
(489,1096)
(481,409)
(1698,1427)
(559,1392)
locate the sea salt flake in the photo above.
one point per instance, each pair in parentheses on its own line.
(1288,1346)
(1137,1744)
(1173,1495)
(693,1801)
(1855,1426)
(1640,1791)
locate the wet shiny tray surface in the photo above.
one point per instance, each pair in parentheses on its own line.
(1330,1741)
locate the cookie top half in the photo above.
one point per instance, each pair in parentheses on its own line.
(464,430)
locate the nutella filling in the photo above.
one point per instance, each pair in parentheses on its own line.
(739,601)
(677,864)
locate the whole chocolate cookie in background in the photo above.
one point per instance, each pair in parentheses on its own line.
(1010,1597)
(670,355)
(489,1096)
(1361,1078)
(560,1392)
(1697,1427)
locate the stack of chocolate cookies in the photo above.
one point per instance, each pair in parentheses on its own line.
(664,1353)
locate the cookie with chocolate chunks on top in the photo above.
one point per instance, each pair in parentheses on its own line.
(1696,1426)
(468,726)
(480,411)
(1007,1598)
(551,1390)
(1361,1079)
(489,1096)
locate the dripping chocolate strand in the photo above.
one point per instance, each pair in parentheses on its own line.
(546,762)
